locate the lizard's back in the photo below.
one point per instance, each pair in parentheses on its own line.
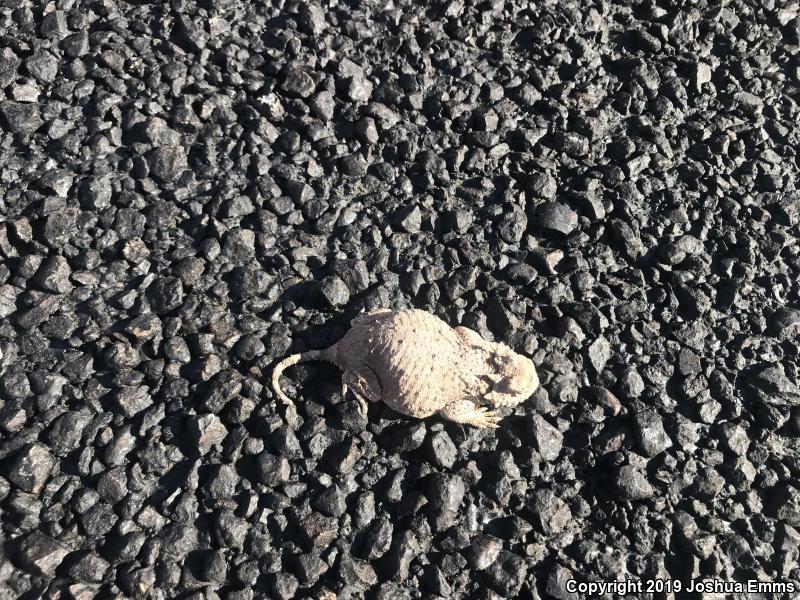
(418,359)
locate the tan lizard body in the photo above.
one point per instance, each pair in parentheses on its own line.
(419,365)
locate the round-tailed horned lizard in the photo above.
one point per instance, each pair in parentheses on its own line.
(419,365)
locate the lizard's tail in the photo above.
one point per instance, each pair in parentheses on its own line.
(293,360)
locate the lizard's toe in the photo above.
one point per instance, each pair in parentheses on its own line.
(486,418)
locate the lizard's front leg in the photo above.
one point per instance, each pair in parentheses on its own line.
(469,413)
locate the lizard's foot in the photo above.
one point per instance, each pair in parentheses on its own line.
(362,402)
(364,385)
(469,413)
(483,417)
(363,408)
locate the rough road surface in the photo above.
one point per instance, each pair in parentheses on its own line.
(190,191)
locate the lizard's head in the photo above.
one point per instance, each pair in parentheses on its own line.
(512,377)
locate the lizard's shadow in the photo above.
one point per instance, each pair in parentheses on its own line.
(317,336)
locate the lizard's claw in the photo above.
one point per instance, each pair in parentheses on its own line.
(484,417)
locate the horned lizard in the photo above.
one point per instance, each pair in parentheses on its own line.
(419,365)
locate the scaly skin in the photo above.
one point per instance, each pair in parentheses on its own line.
(418,365)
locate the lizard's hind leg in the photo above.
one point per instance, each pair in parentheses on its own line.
(364,385)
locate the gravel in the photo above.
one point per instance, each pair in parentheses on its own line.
(189,193)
